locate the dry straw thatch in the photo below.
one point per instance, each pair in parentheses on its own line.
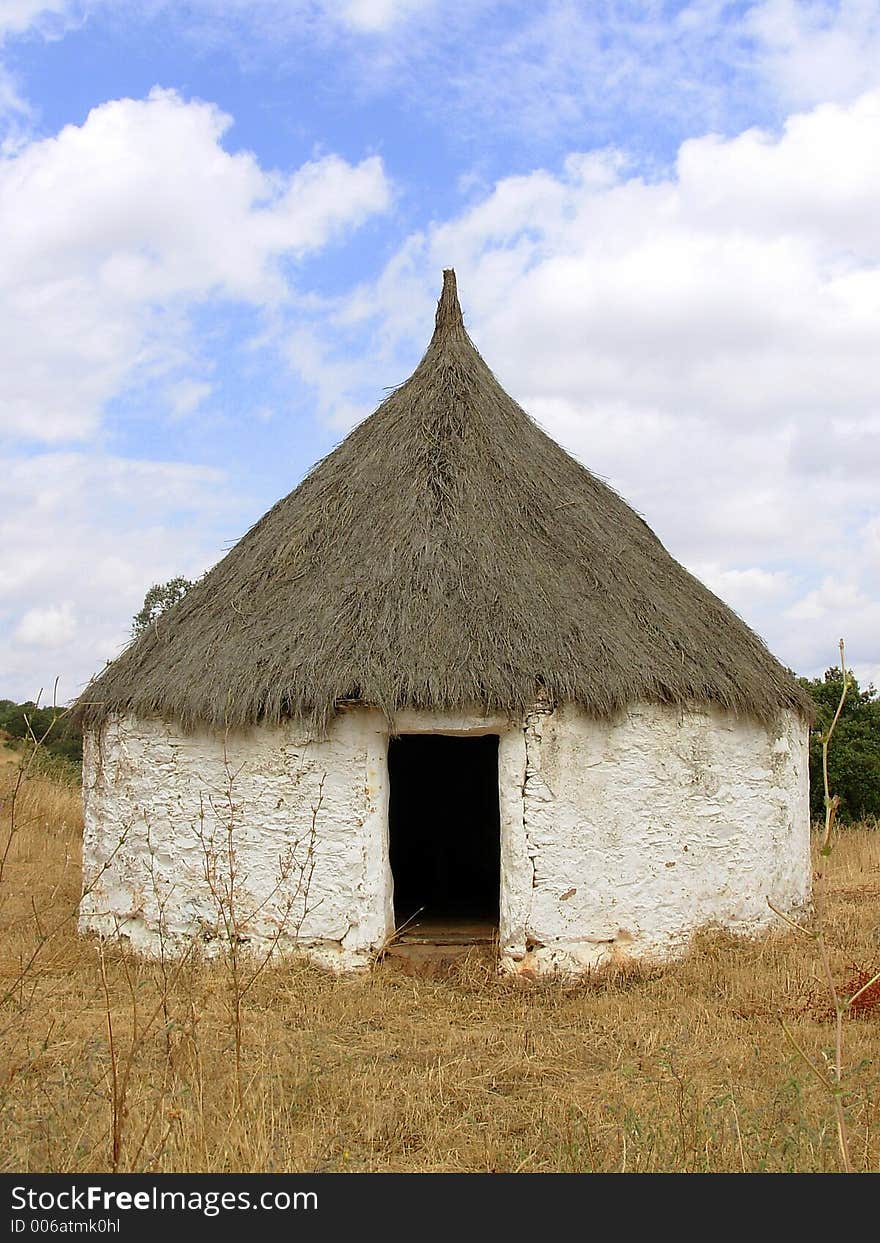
(447,553)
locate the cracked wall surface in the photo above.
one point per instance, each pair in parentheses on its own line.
(645,827)
(308,834)
(618,837)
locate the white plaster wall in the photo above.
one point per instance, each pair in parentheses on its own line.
(618,837)
(641,829)
(308,832)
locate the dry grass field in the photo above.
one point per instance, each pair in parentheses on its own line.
(685,1068)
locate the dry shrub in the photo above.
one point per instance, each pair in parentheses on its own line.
(683,1068)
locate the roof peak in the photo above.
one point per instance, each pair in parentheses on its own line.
(481,563)
(448,308)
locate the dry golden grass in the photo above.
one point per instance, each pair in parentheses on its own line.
(684,1068)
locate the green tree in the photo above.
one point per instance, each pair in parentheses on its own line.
(854,754)
(24,720)
(160,597)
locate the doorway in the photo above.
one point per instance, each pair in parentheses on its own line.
(444,829)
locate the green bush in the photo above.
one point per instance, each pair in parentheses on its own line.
(854,752)
(62,742)
(57,768)
(160,597)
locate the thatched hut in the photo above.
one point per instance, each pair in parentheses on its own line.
(452,680)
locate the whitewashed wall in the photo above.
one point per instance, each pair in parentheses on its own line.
(174,797)
(618,837)
(641,829)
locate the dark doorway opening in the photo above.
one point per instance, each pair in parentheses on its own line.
(444,828)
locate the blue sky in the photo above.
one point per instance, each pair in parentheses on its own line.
(224,224)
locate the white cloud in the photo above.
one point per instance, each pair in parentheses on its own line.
(90,533)
(533,70)
(114,232)
(706,341)
(840,607)
(374,15)
(817,181)
(740,290)
(367,16)
(49,627)
(817,50)
(832,598)
(746,588)
(484,68)
(13,110)
(274,20)
(186,396)
(530,71)
(16,16)
(114,229)
(556,65)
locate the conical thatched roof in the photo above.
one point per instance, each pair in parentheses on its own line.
(447,553)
